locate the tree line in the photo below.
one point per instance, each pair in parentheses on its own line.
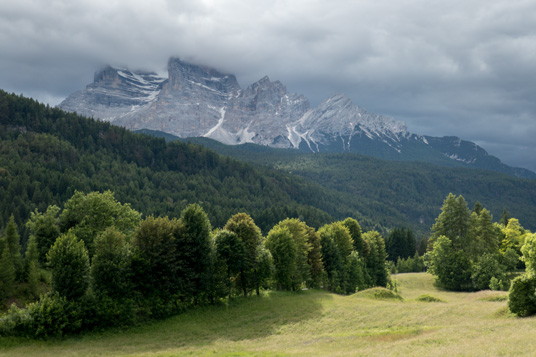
(107,266)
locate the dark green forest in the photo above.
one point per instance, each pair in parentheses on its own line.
(47,154)
(393,193)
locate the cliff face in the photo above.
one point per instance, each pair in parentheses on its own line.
(200,101)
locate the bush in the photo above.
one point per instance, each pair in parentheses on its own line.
(52,316)
(484,270)
(428,298)
(522,295)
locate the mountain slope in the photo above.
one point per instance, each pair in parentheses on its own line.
(393,192)
(197,101)
(46,154)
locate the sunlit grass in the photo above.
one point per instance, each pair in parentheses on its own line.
(319,323)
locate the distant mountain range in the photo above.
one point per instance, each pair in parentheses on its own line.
(197,101)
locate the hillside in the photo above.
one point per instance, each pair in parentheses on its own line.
(394,192)
(319,323)
(46,154)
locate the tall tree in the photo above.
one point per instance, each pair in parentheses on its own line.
(284,251)
(453,221)
(194,253)
(299,233)
(13,244)
(31,267)
(154,260)
(90,214)
(376,266)
(514,235)
(7,274)
(45,228)
(360,245)
(250,235)
(69,262)
(450,265)
(230,256)
(314,258)
(110,266)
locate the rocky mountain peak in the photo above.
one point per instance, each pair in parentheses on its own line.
(201,101)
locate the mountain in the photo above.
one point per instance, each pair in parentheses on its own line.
(198,101)
(46,154)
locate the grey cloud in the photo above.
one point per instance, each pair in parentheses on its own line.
(462,68)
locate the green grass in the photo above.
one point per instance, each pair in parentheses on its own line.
(318,323)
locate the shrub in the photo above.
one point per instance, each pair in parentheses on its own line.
(522,295)
(52,316)
(484,270)
(428,298)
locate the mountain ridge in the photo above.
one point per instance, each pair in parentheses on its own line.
(199,101)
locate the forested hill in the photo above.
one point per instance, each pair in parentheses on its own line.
(394,192)
(47,154)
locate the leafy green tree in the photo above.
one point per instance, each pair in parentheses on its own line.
(333,262)
(154,261)
(194,253)
(453,221)
(376,263)
(451,266)
(360,245)
(250,236)
(284,251)
(265,267)
(7,274)
(13,244)
(510,259)
(31,267)
(90,214)
(483,235)
(484,269)
(529,253)
(514,235)
(69,261)
(44,227)
(356,278)
(522,295)
(300,235)
(230,257)
(314,258)
(110,266)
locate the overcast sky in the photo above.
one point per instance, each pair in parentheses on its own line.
(464,68)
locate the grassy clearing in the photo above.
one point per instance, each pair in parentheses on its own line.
(319,323)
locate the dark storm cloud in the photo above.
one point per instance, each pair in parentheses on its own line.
(462,68)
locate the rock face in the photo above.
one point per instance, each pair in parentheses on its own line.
(199,101)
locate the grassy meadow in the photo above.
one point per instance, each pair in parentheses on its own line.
(425,321)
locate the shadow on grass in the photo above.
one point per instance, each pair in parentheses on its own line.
(240,319)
